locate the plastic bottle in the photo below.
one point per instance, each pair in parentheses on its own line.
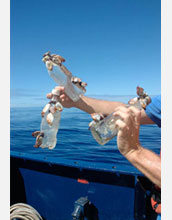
(50,131)
(104,130)
(62,80)
(51,114)
(74,87)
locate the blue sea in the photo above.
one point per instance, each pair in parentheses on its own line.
(74,140)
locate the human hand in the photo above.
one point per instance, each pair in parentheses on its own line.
(128,126)
(62,98)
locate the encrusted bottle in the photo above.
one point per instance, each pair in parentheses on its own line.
(51,114)
(50,131)
(103,129)
(74,87)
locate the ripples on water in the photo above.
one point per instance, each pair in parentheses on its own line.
(74,139)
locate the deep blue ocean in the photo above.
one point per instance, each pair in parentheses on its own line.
(74,140)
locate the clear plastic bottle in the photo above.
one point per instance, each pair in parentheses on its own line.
(61,79)
(104,130)
(50,131)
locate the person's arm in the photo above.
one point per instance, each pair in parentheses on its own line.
(91,105)
(145,119)
(146,162)
(128,143)
(87,104)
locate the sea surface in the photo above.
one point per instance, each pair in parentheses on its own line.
(74,140)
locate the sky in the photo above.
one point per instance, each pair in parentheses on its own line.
(113,45)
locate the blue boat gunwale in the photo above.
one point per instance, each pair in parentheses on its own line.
(76,170)
(120,167)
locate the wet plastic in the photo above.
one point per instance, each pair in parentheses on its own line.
(61,79)
(104,130)
(50,131)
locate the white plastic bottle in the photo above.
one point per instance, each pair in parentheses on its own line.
(50,132)
(104,130)
(74,87)
(62,80)
(51,114)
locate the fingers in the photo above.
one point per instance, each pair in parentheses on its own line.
(123,118)
(136,116)
(62,98)
(129,115)
(121,126)
(58,90)
(58,95)
(122,110)
(127,124)
(136,113)
(122,113)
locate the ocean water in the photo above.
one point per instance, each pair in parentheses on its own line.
(74,140)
